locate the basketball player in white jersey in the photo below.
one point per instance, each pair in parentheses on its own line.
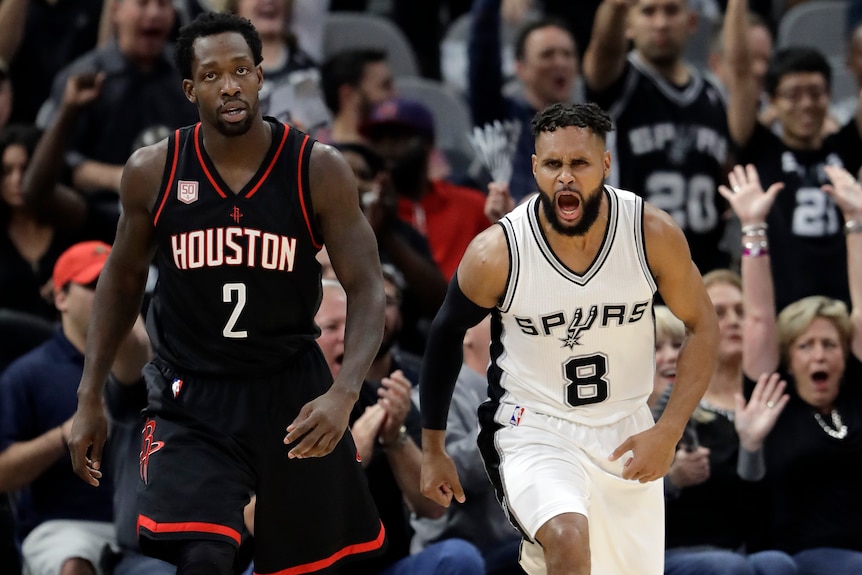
(566,435)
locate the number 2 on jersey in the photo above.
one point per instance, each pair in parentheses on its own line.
(228,292)
(586,374)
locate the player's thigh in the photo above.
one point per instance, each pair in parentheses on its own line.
(193,485)
(541,477)
(315,510)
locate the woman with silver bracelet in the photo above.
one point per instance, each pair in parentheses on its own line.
(811,456)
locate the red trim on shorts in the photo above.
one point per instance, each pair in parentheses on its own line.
(314,242)
(203,164)
(324,563)
(188,526)
(171,178)
(271,164)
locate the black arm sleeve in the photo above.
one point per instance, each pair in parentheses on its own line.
(444,354)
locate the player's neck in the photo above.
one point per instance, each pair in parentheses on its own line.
(249,147)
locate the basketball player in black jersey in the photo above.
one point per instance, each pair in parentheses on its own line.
(234,210)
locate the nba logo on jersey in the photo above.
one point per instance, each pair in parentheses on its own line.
(176,386)
(516,415)
(187,192)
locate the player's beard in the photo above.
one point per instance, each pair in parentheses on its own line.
(590,207)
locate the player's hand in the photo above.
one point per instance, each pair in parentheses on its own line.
(394,398)
(689,467)
(438,480)
(320,425)
(87,437)
(652,453)
(746,196)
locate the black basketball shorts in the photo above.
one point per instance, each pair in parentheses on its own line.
(209,443)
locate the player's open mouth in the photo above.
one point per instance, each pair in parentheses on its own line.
(568,205)
(233,113)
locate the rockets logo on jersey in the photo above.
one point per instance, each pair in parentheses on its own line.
(149,446)
(609,315)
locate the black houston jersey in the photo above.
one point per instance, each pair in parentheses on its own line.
(238,280)
(671,147)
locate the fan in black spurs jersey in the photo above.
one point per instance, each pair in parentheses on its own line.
(808,252)
(671,145)
(234,210)
(567,436)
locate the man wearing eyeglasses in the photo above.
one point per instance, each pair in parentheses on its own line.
(804,230)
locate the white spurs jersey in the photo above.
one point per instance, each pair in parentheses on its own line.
(576,346)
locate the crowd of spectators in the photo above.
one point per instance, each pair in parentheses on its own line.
(84,83)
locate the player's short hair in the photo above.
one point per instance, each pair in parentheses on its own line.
(794,60)
(578,115)
(211,24)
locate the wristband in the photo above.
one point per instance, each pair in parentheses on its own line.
(755,229)
(755,249)
(852,227)
(398,442)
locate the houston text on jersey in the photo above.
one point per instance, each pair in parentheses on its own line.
(233,246)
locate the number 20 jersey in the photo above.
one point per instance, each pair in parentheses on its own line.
(576,346)
(671,146)
(238,280)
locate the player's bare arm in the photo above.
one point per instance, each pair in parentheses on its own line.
(681,286)
(117,303)
(353,251)
(481,281)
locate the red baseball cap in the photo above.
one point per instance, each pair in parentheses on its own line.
(82,263)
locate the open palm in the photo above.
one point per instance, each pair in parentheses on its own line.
(746,196)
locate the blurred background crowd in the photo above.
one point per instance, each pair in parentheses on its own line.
(407,90)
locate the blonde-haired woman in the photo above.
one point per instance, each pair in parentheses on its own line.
(669,333)
(814,451)
(711,513)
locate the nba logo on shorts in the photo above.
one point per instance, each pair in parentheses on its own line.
(516,415)
(176,386)
(187,192)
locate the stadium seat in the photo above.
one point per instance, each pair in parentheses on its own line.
(345,30)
